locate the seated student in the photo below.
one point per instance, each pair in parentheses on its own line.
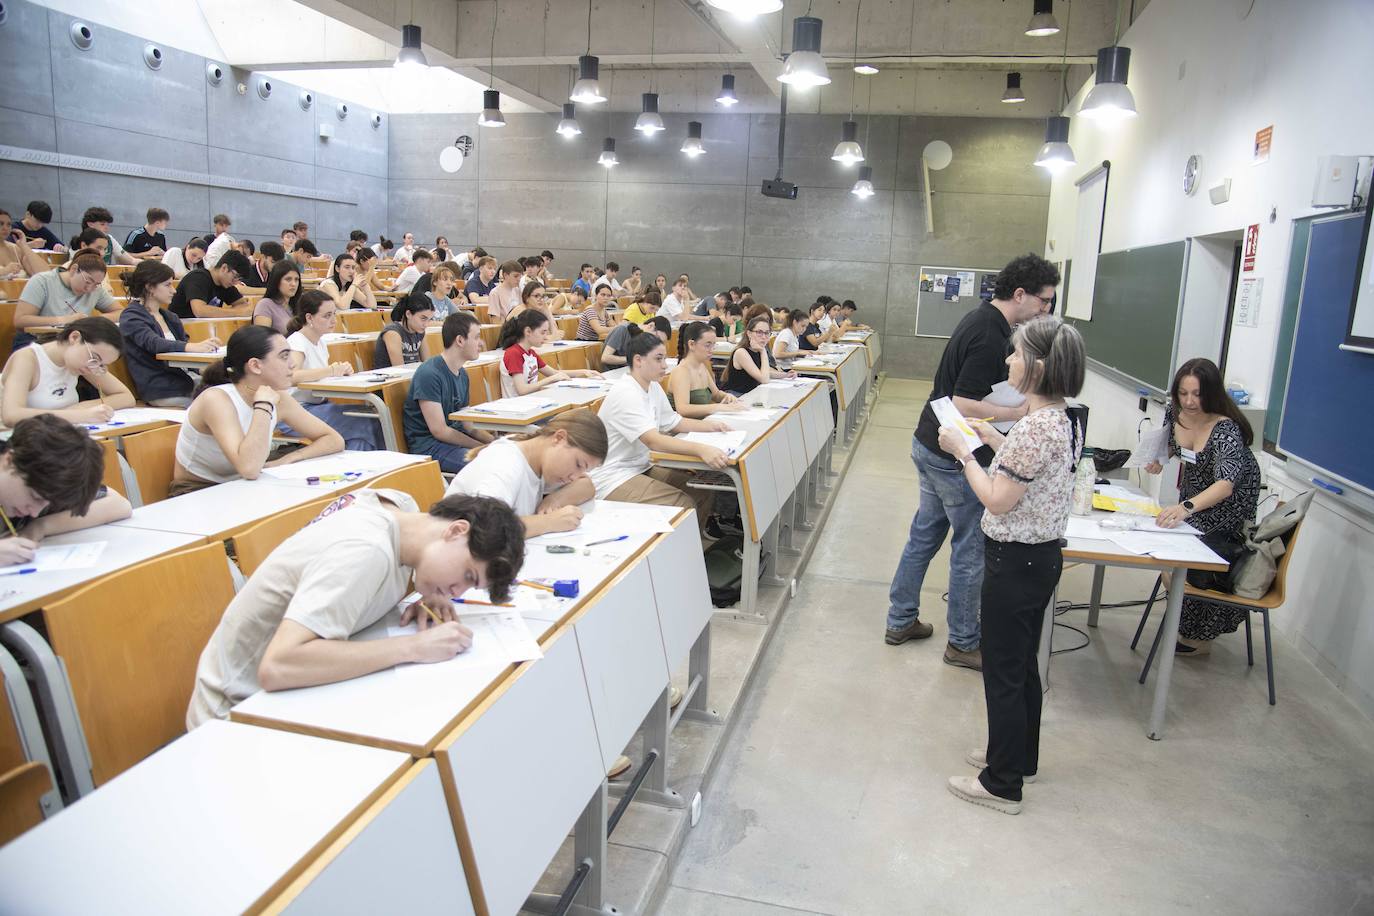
(270,254)
(149,242)
(419,266)
(439,388)
(586,277)
(847,310)
(569,302)
(504,297)
(535,297)
(302,252)
(289,625)
(782,318)
(184,260)
(530,265)
(751,365)
(50,472)
(99,218)
(812,336)
(228,430)
(42,377)
(89,240)
(638,419)
(692,384)
(288,240)
(435,290)
(406,253)
(219,238)
(615,353)
(402,341)
(661,284)
(711,306)
(315,317)
(16,258)
(384,248)
(342,286)
(675,305)
(366,283)
(541,474)
(730,324)
(33,230)
(832,325)
(594,323)
(482,280)
(608,278)
(643,308)
(545,266)
(212,293)
(634,283)
(442,252)
(522,369)
(149,328)
(787,345)
(278,303)
(56,296)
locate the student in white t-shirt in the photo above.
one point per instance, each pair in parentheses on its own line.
(421,262)
(639,419)
(787,345)
(541,474)
(523,371)
(316,315)
(289,626)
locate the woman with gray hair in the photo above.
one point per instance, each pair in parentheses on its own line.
(1026,492)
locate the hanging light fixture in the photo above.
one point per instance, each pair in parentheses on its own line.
(1110,100)
(649,121)
(692,145)
(747,9)
(410,56)
(727,95)
(491,110)
(569,127)
(587,89)
(863,188)
(805,67)
(1056,155)
(848,151)
(1042,21)
(1013,93)
(865,69)
(608,157)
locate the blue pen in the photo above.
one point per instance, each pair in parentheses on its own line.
(20,572)
(609,540)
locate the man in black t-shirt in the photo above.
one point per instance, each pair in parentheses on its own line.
(211,293)
(149,242)
(974,360)
(33,229)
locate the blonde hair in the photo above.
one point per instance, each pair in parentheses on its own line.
(584,428)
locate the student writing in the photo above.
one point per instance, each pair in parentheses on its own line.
(150,327)
(523,371)
(310,361)
(402,342)
(42,377)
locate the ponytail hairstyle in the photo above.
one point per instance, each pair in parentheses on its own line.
(1056,361)
(334,271)
(689,334)
(149,272)
(94,331)
(407,307)
(513,331)
(87,261)
(1211,393)
(530,289)
(641,345)
(583,427)
(386,243)
(253,341)
(310,303)
(795,316)
(275,276)
(652,297)
(363,255)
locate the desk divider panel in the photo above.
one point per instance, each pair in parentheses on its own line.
(400,857)
(760,494)
(621,645)
(781,451)
(527,756)
(682,593)
(796,443)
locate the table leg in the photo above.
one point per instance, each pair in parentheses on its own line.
(589,845)
(1172,614)
(770,547)
(654,789)
(57,706)
(1095,604)
(1047,642)
(30,731)
(696,705)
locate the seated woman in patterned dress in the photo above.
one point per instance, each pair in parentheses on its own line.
(1219,489)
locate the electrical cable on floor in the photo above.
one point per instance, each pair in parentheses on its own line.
(1063,607)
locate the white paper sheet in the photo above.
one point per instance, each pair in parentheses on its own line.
(54,558)
(135,415)
(497,638)
(748,415)
(1164,546)
(1153,446)
(514,407)
(730,443)
(949,415)
(341,463)
(1004,395)
(1080,527)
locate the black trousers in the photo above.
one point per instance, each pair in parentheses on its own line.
(1018,581)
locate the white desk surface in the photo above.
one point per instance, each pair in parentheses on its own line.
(370,465)
(21,594)
(213,511)
(208,824)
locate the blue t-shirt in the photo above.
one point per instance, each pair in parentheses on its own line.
(433,381)
(583,285)
(475,286)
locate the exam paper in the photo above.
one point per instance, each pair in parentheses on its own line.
(130,416)
(1153,446)
(1080,527)
(524,404)
(1005,395)
(54,558)
(341,463)
(949,415)
(748,415)
(730,443)
(497,639)
(1164,546)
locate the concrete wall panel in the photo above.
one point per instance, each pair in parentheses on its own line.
(368,214)
(547,214)
(796,282)
(414,142)
(78,138)
(356,146)
(275,126)
(25,64)
(826,222)
(21,183)
(128,199)
(432,208)
(527,149)
(707,274)
(811,140)
(692,219)
(661,160)
(28,130)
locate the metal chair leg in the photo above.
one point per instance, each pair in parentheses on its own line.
(1249,643)
(1154,647)
(1149,605)
(1269,657)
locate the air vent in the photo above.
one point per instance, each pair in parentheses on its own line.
(152,56)
(82,36)
(306,100)
(264,88)
(214,74)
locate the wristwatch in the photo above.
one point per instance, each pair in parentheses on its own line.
(1188,504)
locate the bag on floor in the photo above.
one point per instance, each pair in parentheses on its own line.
(724,570)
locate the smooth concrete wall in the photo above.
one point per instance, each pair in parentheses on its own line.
(523,188)
(105,103)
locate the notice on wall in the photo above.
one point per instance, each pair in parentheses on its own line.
(1248,302)
(1251,247)
(1263,140)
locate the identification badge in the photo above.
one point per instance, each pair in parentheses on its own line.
(1188,455)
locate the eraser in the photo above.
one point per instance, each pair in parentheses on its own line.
(566,588)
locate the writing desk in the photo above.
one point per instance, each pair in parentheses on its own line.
(218,512)
(384,389)
(196,361)
(848,375)
(1104,553)
(219,821)
(563,397)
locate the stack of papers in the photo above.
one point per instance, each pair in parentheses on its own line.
(948,415)
(525,404)
(53,559)
(1164,546)
(1153,446)
(730,443)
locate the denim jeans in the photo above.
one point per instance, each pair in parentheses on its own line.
(947,501)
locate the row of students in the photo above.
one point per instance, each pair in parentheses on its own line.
(523,370)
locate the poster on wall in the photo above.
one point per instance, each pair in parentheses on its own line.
(1248,302)
(988,285)
(1251,247)
(1263,140)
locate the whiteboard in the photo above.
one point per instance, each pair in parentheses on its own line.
(1087,241)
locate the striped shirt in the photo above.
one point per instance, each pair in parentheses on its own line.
(585,331)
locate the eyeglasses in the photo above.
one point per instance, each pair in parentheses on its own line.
(93,361)
(540,296)
(758,330)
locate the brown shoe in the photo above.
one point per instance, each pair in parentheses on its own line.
(619,768)
(913,630)
(961,659)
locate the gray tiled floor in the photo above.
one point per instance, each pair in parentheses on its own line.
(830,797)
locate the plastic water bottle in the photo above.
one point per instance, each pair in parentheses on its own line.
(1083,479)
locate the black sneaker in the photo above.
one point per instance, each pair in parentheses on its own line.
(914,630)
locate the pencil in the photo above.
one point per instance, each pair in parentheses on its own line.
(9,524)
(482,603)
(431,612)
(527,582)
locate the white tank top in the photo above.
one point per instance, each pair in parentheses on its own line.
(201,455)
(56,387)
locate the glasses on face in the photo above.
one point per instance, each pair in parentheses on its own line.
(540,296)
(758,330)
(93,361)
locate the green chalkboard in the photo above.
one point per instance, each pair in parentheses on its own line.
(1135,312)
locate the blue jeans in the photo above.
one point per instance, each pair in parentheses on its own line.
(947,501)
(451,458)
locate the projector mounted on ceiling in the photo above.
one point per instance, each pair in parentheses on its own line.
(775,186)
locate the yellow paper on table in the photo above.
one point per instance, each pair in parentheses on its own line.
(1138,506)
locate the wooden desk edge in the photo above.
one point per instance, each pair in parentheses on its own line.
(1131,559)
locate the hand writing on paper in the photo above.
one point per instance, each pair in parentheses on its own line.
(97,412)
(442,641)
(952,441)
(209,345)
(717,426)
(417,615)
(16,550)
(564,518)
(714,457)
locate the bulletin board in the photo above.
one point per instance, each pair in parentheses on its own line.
(944,295)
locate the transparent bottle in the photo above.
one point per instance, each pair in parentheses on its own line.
(1083,479)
